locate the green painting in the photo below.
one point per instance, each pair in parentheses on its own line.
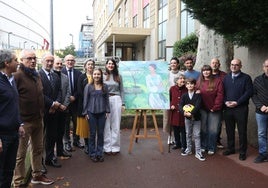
(145,84)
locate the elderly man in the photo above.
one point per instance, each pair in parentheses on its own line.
(238,90)
(52,98)
(73,76)
(31,102)
(10,122)
(260,99)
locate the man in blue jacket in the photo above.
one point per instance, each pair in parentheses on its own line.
(238,90)
(11,125)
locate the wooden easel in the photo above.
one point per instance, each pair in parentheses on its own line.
(138,115)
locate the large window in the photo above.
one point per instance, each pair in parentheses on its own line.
(126,14)
(146,16)
(187,22)
(162,22)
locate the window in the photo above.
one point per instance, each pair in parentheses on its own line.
(187,22)
(162,22)
(126,14)
(146,17)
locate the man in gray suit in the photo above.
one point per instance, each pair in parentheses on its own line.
(63,110)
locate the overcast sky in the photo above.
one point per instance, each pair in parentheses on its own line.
(68,17)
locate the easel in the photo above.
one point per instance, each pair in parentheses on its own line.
(138,115)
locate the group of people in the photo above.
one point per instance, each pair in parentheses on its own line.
(199,101)
(45,107)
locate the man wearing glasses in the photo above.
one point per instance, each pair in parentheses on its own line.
(31,103)
(238,90)
(73,76)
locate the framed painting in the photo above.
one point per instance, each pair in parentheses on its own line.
(145,84)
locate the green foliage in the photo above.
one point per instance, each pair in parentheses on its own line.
(187,45)
(243,22)
(68,50)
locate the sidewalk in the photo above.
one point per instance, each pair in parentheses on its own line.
(146,167)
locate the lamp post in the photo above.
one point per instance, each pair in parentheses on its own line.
(8,39)
(24,44)
(72,38)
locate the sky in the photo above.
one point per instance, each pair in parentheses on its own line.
(68,17)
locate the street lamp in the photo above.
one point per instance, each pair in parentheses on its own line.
(8,39)
(72,38)
(24,44)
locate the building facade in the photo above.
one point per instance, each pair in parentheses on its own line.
(20,26)
(139,29)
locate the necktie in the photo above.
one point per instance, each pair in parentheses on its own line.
(51,80)
(71,81)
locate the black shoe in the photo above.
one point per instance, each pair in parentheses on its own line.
(53,163)
(242,156)
(228,152)
(176,147)
(78,144)
(94,159)
(261,158)
(100,158)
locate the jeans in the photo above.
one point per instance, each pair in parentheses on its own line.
(262,121)
(209,129)
(10,145)
(97,123)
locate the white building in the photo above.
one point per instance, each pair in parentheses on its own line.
(21,27)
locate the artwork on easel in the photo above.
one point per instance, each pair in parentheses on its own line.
(145,84)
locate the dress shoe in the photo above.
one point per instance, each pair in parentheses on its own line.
(78,145)
(65,155)
(228,152)
(53,163)
(242,156)
(176,147)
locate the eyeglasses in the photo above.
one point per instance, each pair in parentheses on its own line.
(30,58)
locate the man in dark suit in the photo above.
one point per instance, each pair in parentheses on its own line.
(73,76)
(52,97)
(63,112)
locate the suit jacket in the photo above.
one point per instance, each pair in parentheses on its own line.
(65,90)
(76,74)
(51,92)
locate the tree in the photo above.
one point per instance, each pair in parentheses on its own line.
(243,22)
(187,45)
(68,50)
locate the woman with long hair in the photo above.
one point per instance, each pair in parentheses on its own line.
(212,93)
(114,82)
(82,128)
(96,109)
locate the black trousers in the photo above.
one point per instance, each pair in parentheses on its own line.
(180,136)
(10,145)
(233,117)
(51,134)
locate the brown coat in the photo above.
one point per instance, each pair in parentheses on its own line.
(31,99)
